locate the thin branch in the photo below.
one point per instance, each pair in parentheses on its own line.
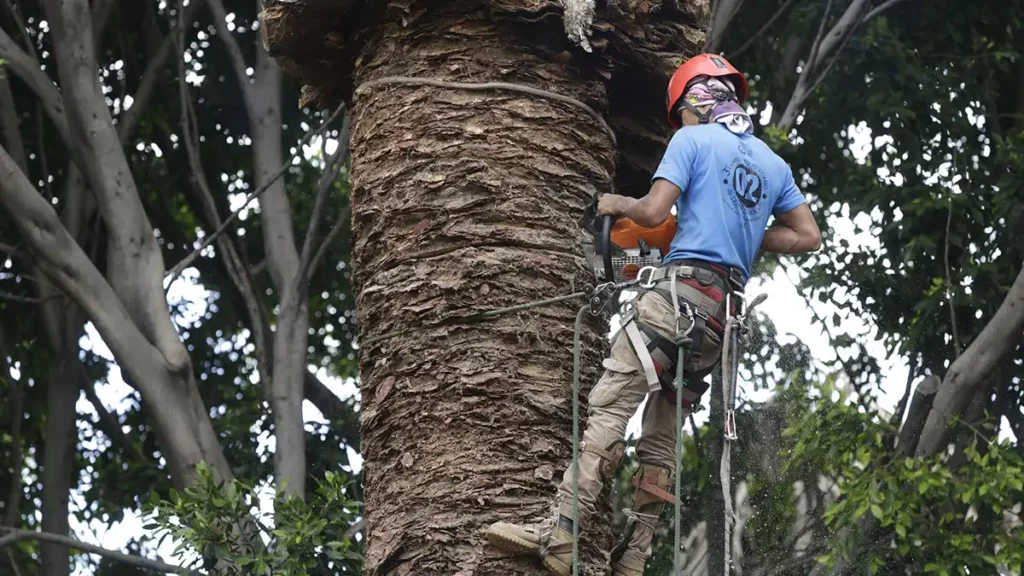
(949,282)
(9,297)
(108,423)
(173,273)
(101,11)
(22,29)
(719,24)
(234,54)
(27,68)
(816,47)
(41,134)
(14,536)
(332,168)
(881,8)
(154,71)
(233,263)
(750,41)
(828,67)
(338,226)
(13,502)
(355,529)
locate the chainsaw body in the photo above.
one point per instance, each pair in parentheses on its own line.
(621,248)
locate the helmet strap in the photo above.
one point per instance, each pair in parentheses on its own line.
(702,117)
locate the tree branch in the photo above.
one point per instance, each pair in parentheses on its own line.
(949,283)
(27,68)
(764,28)
(355,529)
(881,8)
(13,502)
(173,273)
(314,264)
(234,55)
(14,536)
(973,367)
(332,168)
(154,70)
(234,263)
(9,297)
(108,423)
(101,11)
(722,14)
(22,29)
(901,407)
(828,46)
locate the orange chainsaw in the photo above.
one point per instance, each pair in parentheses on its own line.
(620,248)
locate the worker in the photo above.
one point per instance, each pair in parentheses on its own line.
(724,183)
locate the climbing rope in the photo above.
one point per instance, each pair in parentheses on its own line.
(682,341)
(486,86)
(729,429)
(735,325)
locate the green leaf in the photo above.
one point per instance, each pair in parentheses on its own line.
(876,511)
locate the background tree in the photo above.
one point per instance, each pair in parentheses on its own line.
(73,207)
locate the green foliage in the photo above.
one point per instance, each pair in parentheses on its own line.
(930,517)
(223,522)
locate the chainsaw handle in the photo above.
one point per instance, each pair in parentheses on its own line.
(605,248)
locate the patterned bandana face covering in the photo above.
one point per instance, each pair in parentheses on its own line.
(726,110)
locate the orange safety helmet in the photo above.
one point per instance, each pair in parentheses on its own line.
(701,65)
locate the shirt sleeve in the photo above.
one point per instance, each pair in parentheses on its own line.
(791,196)
(677,163)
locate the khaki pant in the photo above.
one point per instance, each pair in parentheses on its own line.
(614,400)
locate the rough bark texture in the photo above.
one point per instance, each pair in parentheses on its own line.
(464,201)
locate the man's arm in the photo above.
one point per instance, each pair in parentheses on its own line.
(794,232)
(649,211)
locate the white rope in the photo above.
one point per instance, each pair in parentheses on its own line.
(725,469)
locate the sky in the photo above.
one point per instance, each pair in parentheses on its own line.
(791,313)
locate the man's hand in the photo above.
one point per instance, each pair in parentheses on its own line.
(649,211)
(612,205)
(795,232)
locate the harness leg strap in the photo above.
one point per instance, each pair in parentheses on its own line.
(642,354)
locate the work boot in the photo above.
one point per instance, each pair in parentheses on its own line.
(551,540)
(652,484)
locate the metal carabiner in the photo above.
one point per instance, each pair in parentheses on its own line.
(650,277)
(685,307)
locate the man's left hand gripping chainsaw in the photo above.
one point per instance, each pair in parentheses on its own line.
(618,249)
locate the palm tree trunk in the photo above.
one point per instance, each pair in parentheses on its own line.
(465,201)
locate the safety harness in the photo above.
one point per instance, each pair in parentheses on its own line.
(695,287)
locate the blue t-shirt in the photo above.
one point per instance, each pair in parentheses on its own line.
(731,185)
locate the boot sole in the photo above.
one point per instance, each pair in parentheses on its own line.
(517,545)
(511,543)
